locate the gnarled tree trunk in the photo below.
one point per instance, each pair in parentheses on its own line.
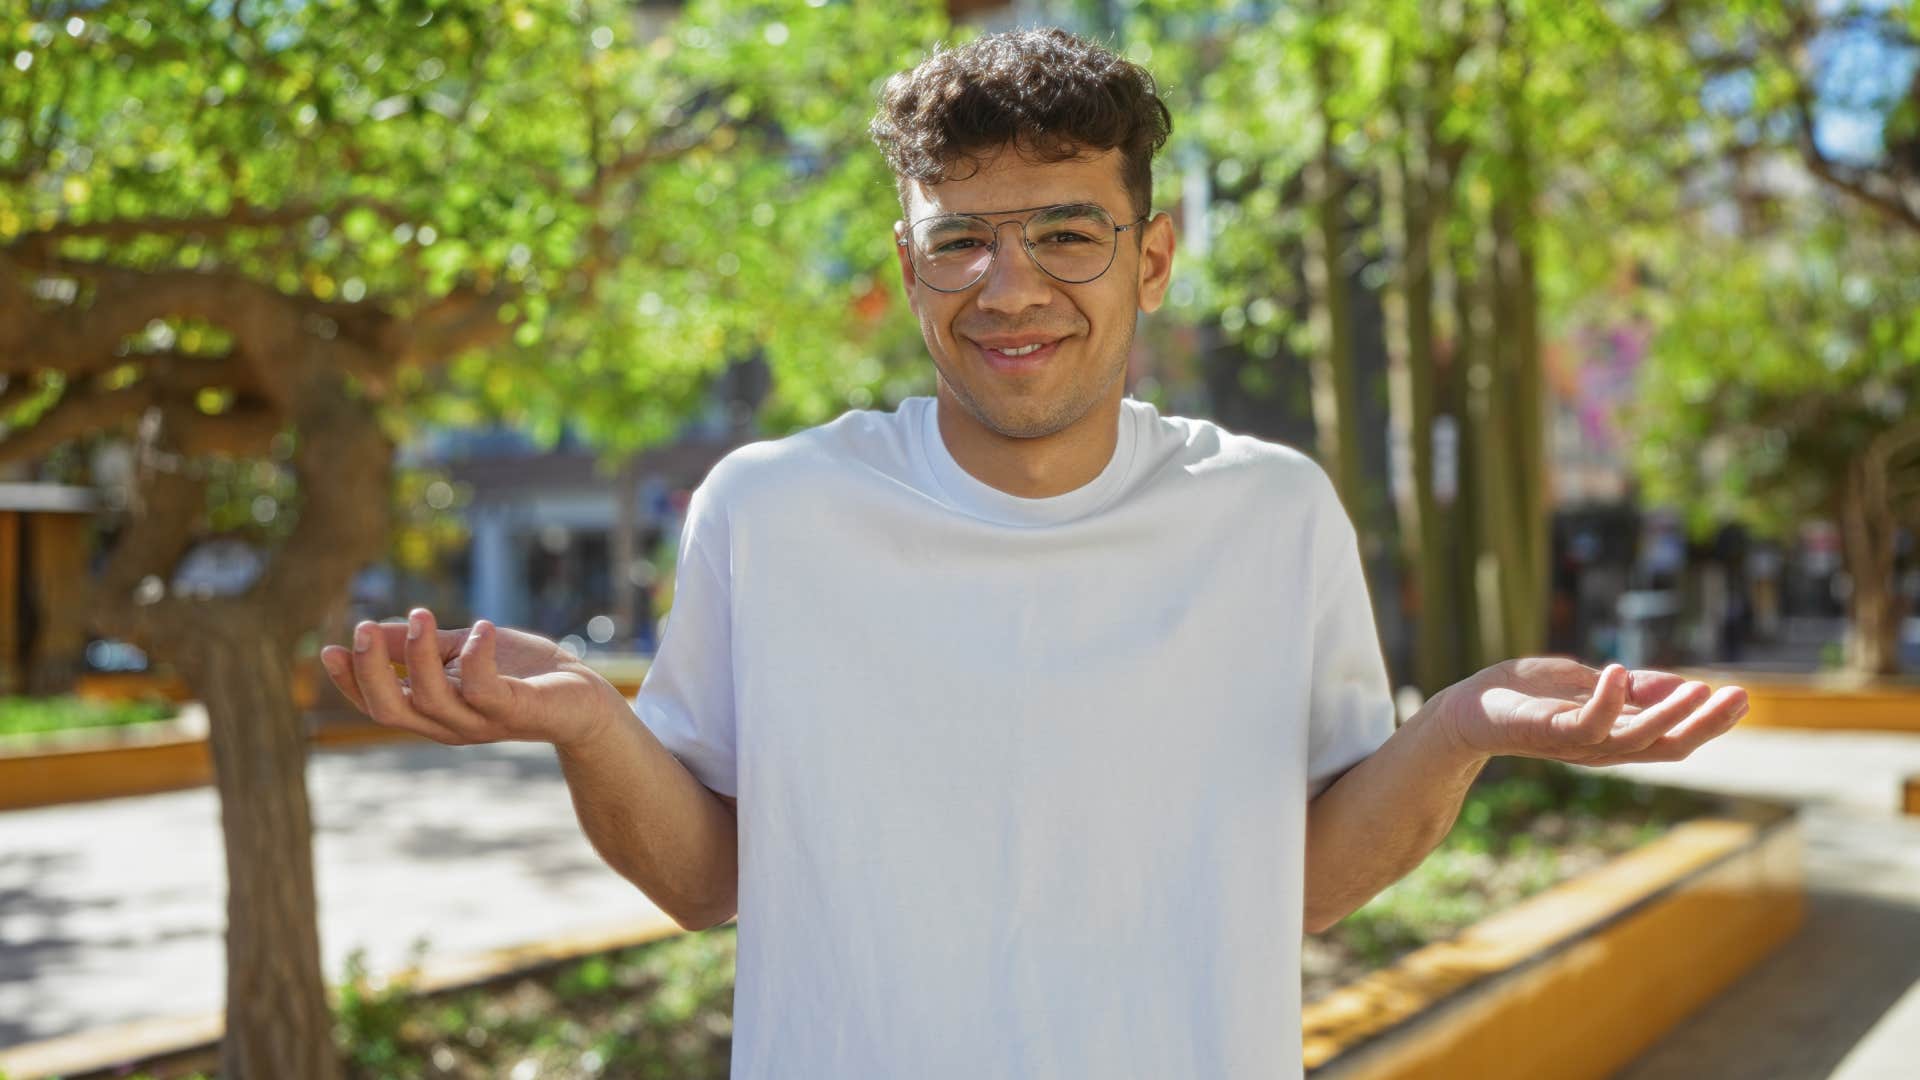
(237,653)
(279,1023)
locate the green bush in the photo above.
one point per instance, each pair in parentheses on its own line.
(661,1010)
(34,715)
(1516,832)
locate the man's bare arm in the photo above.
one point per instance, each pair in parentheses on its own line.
(1381,818)
(644,813)
(652,821)
(1385,814)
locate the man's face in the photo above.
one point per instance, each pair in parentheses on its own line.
(1084,330)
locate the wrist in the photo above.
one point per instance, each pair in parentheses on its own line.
(601,716)
(1442,720)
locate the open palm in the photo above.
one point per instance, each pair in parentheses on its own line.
(477,684)
(1560,709)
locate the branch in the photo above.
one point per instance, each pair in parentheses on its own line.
(461,320)
(1851,181)
(272,330)
(19,388)
(164,517)
(237,433)
(241,216)
(180,374)
(73,416)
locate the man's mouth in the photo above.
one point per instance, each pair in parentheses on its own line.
(1014,354)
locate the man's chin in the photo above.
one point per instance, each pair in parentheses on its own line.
(1033,418)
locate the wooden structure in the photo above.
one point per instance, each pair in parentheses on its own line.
(44,549)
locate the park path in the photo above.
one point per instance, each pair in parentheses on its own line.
(113,911)
(1841,999)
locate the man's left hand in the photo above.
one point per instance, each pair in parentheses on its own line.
(1566,711)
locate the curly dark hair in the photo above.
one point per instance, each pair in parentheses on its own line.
(1051,94)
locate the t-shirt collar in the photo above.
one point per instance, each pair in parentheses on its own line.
(961,490)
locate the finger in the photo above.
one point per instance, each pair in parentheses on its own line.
(428,689)
(338,664)
(480,681)
(386,701)
(446,643)
(1710,721)
(1594,722)
(1649,688)
(1644,729)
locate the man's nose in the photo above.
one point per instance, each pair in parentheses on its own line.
(1013,281)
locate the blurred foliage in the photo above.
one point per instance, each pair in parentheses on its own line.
(427,523)
(1778,362)
(33,715)
(443,145)
(1740,180)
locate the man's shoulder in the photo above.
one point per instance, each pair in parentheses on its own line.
(856,439)
(1203,447)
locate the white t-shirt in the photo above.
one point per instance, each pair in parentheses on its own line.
(1022,782)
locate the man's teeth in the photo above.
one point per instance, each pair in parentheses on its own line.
(1021,351)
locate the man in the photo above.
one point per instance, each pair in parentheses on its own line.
(1051,719)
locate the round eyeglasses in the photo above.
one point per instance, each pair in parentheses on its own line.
(1072,243)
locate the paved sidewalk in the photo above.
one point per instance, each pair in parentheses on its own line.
(1841,999)
(114,911)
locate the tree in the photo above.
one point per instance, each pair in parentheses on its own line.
(1781,386)
(264,240)
(1780,252)
(1394,146)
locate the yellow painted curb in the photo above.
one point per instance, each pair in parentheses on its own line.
(55,777)
(70,776)
(187,1043)
(1578,981)
(141,685)
(166,1046)
(1834,703)
(1833,710)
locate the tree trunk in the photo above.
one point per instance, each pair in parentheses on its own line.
(279,1024)
(236,652)
(1518,310)
(1456,394)
(1867,532)
(1335,377)
(1416,191)
(1520,460)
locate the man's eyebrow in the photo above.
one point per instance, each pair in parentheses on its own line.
(1078,204)
(947,223)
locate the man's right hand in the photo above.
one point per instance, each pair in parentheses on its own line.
(477,684)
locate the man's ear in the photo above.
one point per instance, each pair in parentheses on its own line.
(1156,261)
(906,260)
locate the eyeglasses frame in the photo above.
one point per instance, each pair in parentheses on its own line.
(1025,243)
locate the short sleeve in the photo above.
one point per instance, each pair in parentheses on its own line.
(1351,712)
(686,699)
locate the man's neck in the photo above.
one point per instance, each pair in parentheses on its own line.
(1035,468)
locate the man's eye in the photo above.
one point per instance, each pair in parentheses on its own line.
(1068,238)
(953,245)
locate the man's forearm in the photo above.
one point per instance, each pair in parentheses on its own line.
(651,820)
(1380,819)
